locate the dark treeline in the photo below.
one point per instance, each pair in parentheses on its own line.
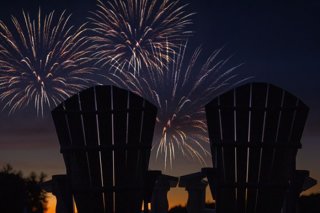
(21,194)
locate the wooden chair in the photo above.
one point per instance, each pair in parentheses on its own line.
(255,132)
(105,136)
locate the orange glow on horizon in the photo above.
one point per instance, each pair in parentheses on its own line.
(313,190)
(176,196)
(52,202)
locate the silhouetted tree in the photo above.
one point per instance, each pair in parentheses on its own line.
(12,191)
(309,204)
(19,194)
(36,201)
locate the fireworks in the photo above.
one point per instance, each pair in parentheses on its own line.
(180,95)
(135,34)
(42,61)
(46,60)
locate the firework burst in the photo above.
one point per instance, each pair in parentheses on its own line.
(42,61)
(180,95)
(135,34)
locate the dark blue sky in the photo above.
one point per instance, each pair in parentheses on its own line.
(277,42)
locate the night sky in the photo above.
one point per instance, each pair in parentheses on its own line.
(277,43)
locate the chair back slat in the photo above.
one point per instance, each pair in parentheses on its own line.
(257,103)
(91,133)
(103,102)
(242,99)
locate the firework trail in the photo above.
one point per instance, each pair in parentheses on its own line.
(42,61)
(135,34)
(180,95)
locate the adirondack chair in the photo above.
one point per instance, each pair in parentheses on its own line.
(105,136)
(255,132)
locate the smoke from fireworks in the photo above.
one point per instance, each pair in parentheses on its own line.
(42,61)
(180,95)
(137,34)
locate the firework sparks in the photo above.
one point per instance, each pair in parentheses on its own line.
(180,95)
(137,34)
(42,61)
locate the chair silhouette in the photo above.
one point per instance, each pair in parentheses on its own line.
(105,136)
(255,133)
